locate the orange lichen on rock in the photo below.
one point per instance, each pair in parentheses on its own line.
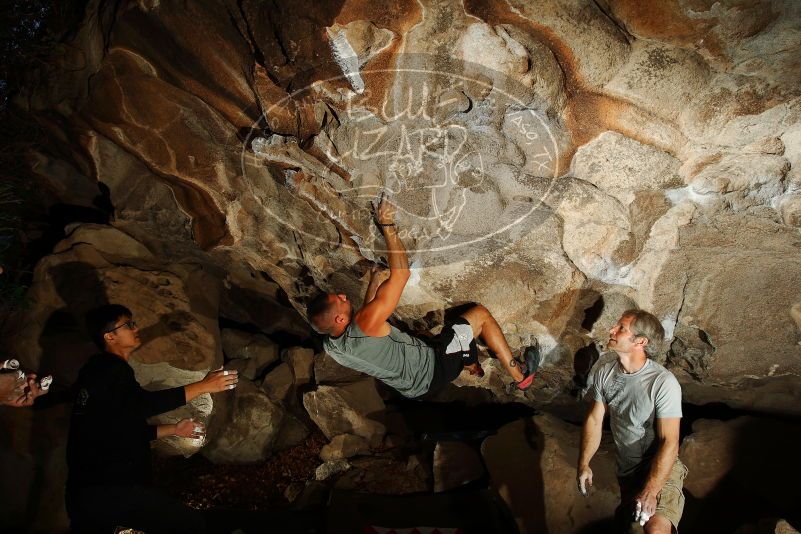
(587,112)
(694,24)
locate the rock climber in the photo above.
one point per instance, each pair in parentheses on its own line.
(363,339)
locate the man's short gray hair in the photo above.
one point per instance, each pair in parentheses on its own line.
(645,324)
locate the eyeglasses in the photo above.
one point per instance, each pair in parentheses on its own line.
(129,324)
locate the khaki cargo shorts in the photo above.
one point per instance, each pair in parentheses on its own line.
(669,502)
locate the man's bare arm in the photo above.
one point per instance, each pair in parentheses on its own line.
(667,436)
(374,314)
(591,434)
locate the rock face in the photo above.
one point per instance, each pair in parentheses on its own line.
(534,160)
(173,304)
(557,162)
(255,352)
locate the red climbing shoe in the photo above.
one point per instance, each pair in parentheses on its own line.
(529,365)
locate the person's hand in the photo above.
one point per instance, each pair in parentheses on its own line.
(646,506)
(385,214)
(584,479)
(12,386)
(220,380)
(189,428)
(31,390)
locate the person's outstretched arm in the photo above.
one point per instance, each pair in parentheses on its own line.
(214,382)
(590,441)
(376,312)
(150,403)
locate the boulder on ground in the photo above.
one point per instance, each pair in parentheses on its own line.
(328,469)
(344,446)
(532,463)
(747,455)
(249,429)
(278,382)
(301,360)
(354,408)
(384,476)
(328,371)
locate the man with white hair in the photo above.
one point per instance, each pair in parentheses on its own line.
(643,400)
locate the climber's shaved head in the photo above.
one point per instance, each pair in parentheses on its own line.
(329,313)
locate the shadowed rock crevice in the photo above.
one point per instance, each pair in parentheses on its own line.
(691,350)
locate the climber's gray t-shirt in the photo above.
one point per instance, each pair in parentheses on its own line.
(398,359)
(634,401)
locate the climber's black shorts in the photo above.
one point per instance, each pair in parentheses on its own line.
(448,366)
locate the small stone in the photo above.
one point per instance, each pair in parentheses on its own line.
(783,527)
(293,491)
(331,468)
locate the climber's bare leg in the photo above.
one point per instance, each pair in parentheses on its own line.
(485,326)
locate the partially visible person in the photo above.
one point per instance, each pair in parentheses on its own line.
(108,449)
(643,400)
(19,389)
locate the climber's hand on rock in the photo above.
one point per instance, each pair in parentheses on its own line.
(385,214)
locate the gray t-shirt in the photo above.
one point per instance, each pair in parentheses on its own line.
(398,359)
(634,401)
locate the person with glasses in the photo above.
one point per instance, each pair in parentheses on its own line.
(108,448)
